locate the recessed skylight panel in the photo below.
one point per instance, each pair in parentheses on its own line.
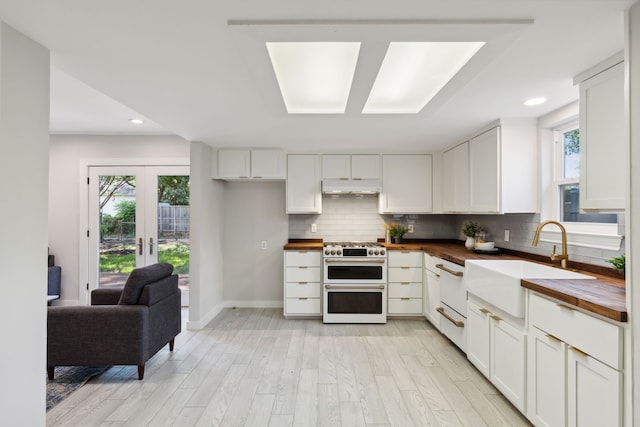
(412,73)
(314,77)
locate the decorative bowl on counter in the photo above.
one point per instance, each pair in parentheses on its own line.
(485,246)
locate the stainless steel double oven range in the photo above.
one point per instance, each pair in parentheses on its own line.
(355,283)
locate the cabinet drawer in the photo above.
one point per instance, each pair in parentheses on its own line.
(597,338)
(302,289)
(302,258)
(404,305)
(303,274)
(405,274)
(405,259)
(405,290)
(302,305)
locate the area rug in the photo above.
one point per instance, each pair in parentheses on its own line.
(68,379)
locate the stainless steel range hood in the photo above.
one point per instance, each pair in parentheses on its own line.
(351,186)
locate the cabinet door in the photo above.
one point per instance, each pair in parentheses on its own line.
(267,164)
(508,361)
(594,392)
(548,381)
(432,298)
(603,148)
(365,166)
(484,172)
(456,179)
(407,184)
(234,164)
(336,166)
(478,337)
(303,184)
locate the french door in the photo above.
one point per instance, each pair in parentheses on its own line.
(138,215)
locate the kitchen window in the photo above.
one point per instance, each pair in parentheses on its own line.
(598,230)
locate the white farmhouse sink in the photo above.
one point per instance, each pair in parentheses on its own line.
(498,281)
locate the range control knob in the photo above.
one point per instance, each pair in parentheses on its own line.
(333,251)
(370,251)
(377,252)
(326,251)
(339,252)
(381,251)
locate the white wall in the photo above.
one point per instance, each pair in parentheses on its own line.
(24,144)
(207,221)
(254,212)
(68,152)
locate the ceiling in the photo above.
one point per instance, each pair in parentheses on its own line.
(200,69)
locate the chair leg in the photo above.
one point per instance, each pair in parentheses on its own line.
(50,370)
(140,372)
(171,343)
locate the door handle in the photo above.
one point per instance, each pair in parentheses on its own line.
(150,245)
(140,246)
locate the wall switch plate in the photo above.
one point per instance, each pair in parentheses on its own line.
(314,228)
(506,235)
(410,228)
(263,244)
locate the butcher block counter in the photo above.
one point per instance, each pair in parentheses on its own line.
(303,245)
(604,295)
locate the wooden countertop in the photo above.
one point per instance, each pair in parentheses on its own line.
(604,295)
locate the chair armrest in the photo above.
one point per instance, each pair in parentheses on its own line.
(106,296)
(97,334)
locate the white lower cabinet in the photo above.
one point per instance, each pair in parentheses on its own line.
(497,347)
(575,367)
(302,291)
(431,290)
(404,293)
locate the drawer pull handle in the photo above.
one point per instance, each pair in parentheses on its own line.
(452,272)
(303,267)
(405,252)
(405,299)
(303,299)
(552,338)
(566,307)
(457,323)
(405,268)
(302,283)
(405,283)
(496,318)
(579,352)
(484,311)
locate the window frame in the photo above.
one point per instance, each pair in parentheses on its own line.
(585,234)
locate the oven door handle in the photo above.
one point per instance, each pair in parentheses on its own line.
(455,273)
(353,287)
(353,261)
(457,323)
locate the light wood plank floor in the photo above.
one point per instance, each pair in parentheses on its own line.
(252,367)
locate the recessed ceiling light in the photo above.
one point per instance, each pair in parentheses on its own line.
(412,73)
(314,77)
(534,101)
(136,121)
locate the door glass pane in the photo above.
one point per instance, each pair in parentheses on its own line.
(117,229)
(173,227)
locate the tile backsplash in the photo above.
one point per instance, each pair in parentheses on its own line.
(350,217)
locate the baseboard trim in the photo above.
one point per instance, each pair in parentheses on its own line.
(197,325)
(253,304)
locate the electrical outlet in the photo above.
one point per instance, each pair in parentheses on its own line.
(410,228)
(506,235)
(314,228)
(263,244)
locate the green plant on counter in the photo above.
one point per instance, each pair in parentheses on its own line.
(470,228)
(618,263)
(397,230)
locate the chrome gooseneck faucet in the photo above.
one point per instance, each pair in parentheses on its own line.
(564,256)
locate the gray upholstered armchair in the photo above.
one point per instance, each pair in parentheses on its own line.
(122,326)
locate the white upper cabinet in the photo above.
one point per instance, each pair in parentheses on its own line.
(407,184)
(603,146)
(250,164)
(456,179)
(304,191)
(496,171)
(348,166)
